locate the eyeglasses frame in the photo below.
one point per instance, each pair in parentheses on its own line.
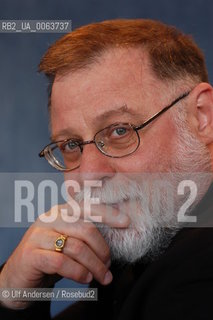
(135,128)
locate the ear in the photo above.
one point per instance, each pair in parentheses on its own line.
(203,112)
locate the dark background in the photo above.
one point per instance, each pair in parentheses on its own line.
(23,98)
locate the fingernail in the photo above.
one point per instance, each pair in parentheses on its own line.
(123,219)
(108,277)
(89,277)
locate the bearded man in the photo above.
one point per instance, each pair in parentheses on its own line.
(130,108)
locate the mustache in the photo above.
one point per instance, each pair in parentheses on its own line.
(111,192)
(119,189)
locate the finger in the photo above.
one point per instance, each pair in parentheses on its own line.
(100,213)
(82,231)
(51,262)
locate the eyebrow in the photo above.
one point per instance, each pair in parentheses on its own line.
(123,110)
(116,112)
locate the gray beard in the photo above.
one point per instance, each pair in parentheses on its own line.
(153,212)
(153,222)
(130,245)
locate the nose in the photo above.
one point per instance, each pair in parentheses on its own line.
(95,165)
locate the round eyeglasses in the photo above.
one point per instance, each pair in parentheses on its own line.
(117,140)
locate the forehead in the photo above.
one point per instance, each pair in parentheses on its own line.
(120,77)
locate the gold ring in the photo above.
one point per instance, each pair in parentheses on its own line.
(60,243)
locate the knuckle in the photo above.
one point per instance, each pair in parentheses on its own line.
(48,263)
(40,218)
(24,252)
(39,261)
(58,262)
(49,217)
(81,274)
(90,229)
(77,247)
(34,233)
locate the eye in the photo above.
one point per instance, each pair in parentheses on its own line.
(70,146)
(119,132)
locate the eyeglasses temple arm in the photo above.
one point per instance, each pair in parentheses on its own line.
(162,111)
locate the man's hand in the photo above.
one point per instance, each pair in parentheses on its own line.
(85,256)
